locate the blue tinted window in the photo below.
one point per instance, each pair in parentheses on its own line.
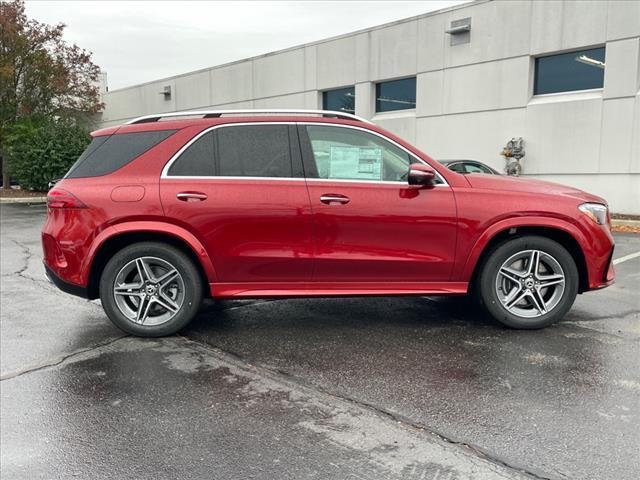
(341,100)
(396,95)
(566,72)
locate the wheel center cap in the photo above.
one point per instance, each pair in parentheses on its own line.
(528,283)
(151,289)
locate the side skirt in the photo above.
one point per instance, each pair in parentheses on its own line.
(328,289)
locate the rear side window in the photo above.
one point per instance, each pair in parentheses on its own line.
(196,160)
(107,154)
(254,151)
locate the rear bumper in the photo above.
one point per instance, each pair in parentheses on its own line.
(66,287)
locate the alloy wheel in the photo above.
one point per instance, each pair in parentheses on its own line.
(530,283)
(149,291)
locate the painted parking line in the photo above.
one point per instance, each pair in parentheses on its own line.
(631,256)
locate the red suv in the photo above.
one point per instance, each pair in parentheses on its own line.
(168,209)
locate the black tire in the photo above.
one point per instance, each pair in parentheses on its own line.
(488,293)
(191,280)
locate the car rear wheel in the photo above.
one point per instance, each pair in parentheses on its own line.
(528,282)
(150,289)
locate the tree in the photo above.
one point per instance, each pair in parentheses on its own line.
(44,149)
(41,75)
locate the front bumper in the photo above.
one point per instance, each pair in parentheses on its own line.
(609,278)
(66,287)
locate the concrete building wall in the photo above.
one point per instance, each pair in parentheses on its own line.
(471,98)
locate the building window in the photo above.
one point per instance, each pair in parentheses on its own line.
(571,71)
(340,100)
(396,95)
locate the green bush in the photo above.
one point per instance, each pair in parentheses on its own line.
(41,151)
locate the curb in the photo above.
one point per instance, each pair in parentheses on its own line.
(23,200)
(625,223)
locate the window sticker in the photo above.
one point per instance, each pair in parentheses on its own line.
(355,163)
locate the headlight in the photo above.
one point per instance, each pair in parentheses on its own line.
(595,211)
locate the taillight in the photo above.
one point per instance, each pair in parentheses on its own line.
(58,198)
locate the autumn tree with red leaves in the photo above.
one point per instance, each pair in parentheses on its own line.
(41,75)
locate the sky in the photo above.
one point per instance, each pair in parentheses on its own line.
(139,41)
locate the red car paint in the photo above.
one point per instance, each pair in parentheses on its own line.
(276,238)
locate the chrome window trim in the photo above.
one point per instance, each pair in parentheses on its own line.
(229,177)
(165,170)
(165,176)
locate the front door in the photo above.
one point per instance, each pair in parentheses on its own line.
(240,189)
(370,226)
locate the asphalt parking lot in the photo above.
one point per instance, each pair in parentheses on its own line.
(365,388)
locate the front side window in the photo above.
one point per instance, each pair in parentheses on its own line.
(571,71)
(340,100)
(350,154)
(254,151)
(396,95)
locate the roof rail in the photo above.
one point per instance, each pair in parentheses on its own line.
(219,113)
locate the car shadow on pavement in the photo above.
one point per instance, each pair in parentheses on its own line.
(335,315)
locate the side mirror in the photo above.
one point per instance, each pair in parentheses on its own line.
(421,176)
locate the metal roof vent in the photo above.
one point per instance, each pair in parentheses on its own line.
(460,31)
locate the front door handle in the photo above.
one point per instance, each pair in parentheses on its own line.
(334,198)
(191,196)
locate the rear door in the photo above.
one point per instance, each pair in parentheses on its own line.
(240,189)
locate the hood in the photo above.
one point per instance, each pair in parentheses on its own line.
(529,185)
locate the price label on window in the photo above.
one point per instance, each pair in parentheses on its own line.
(358,163)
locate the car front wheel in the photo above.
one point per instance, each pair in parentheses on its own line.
(150,289)
(528,282)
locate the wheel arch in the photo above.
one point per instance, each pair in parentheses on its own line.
(565,235)
(120,236)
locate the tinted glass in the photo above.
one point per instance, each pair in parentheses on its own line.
(96,142)
(349,154)
(571,71)
(341,100)
(396,95)
(196,160)
(475,168)
(105,155)
(254,151)
(457,167)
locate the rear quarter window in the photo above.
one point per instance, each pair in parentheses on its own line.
(105,155)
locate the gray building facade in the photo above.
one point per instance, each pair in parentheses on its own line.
(458,83)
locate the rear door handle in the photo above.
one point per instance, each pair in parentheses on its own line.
(191,196)
(333,198)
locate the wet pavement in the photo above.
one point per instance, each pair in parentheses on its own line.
(406,388)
